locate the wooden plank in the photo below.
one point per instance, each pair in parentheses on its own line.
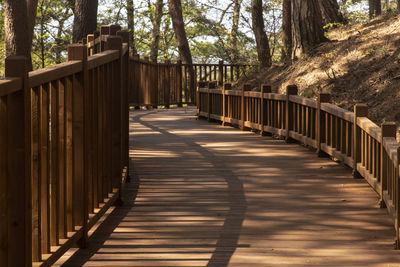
(61,145)
(78,150)
(371,128)
(54,178)
(102,58)
(52,73)
(274,96)
(69,154)
(338,112)
(44,168)
(171,225)
(10,85)
(100,130)
(312,103)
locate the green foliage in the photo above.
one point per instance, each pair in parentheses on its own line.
(52,32)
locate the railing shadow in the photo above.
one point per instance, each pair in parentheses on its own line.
(229,232)
(225,247)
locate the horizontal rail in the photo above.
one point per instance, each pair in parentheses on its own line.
(56,72)
(10,85)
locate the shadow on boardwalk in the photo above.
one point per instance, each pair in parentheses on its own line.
(204,195)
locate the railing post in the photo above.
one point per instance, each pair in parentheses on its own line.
(360,110)
(115,43)
(220,72)
(226,86)
(320,131)
(388,129)
(179,81)
(17,160)
(81,135)
(246,87)
(264,88)
(290,90)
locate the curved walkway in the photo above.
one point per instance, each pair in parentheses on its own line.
(216,196)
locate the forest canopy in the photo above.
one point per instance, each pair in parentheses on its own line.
(216,30)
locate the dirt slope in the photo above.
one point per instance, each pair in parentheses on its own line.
(361,64)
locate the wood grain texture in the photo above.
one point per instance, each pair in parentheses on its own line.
(206,195)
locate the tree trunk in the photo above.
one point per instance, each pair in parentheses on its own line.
(175,10)
(235,30)
(85,19)
(263,50)
(398,6)
(155,36)
(330,12)
(307,29)
(286,30)
(375,8)
(16,28)
(130,10)
(32,11)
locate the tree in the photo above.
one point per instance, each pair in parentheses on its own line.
(398,6)
(330,12)
(175,10)
(286,30)
(130,9)
(85,19)
(263,50)
(235,30)
(19,20)
(155,39)
(16,28)
(307,27)
(375,8)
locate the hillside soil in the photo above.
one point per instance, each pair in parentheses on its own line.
(360,64)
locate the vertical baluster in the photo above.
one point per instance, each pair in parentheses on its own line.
(360,110)
(54,178)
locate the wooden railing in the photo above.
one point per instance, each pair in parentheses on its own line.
(167,83)
(63,150)
(350,137)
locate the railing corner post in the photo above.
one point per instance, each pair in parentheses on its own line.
(290,90)
(360,110)
(320,131)
(18,168)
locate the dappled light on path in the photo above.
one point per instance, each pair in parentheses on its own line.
(206,195)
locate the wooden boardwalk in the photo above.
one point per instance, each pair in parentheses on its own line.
(207,195)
